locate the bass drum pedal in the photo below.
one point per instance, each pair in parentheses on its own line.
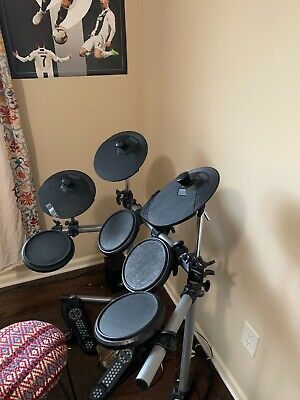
(76,319)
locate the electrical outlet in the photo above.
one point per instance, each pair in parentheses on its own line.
(250,338)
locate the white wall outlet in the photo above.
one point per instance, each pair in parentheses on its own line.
(250,338)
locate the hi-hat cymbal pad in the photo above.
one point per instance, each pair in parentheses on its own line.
(120,156)
(67,194)
(180,199)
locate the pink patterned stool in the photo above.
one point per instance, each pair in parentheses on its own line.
(33,355)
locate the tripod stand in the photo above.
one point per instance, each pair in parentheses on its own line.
(186,309)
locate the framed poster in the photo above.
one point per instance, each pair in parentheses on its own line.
(53,38)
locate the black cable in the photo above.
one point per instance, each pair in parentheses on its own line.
(210,369)
(207,342)
(210,382)
(209,365)
(196,388)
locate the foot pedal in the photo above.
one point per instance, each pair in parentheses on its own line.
(77,321)
(111,377)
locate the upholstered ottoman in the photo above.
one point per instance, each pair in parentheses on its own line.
(33,355)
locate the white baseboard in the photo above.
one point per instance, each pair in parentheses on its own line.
(225,374)
(21,274)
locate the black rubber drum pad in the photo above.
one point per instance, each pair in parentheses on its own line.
(118,232)
(48,251)
(130,319)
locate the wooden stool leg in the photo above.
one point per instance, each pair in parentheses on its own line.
(64,390)
(71,382)
(62,385)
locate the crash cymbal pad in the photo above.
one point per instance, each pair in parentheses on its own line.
(180,199)
(67,194)
(120,156)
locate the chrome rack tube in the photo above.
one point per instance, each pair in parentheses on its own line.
(84,228)
(89,228)
(88,298)
(151,365)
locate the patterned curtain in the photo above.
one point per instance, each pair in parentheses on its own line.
(16,149)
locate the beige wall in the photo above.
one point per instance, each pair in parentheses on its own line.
(223,89)
(65,120)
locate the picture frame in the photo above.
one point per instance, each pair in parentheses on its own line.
(59,38)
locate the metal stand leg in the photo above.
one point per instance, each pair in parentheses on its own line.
(158,353)
(186,355)
(187,350)
(185,309)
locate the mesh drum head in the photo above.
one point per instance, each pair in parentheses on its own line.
(48,251)
(147,266)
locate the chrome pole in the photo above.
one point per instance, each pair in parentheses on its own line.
(189,327)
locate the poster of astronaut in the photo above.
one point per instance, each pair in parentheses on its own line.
(54,38)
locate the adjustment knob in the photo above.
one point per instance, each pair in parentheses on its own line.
(184,257)
(206,286)
(209,272)
(119,195)
(210,263)
(121,145)
(184,179)
(66,184)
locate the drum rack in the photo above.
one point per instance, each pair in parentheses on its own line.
(67,194)
(185,310)
(72,228)
(197,270)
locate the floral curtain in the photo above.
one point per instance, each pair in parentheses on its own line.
(16,149)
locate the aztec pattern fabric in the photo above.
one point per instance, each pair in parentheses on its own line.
(32,357)
(17,149)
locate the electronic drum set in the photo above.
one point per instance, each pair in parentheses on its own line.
(135,320)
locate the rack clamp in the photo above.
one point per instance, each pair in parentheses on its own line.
(167,340)
(72,226)
(156,231)
(57,225)
(196,286)
(177,396)
(125,197)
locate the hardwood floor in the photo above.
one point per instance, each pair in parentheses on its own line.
(40,300)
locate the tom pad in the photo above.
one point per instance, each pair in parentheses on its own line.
(48,251)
